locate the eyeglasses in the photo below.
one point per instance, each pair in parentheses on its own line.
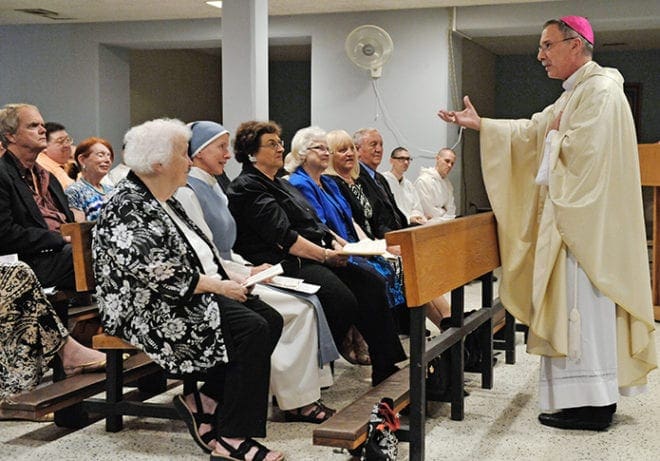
(64,141)
(272,144)
(403,159)
(319,148)
(101,155)
(545,47)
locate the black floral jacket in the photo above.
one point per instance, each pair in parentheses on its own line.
(146,273)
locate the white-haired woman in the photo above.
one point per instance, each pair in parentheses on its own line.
(161,287)
(295,376)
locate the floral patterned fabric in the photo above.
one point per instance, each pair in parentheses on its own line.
(83,196)
(146,273)
(30,331)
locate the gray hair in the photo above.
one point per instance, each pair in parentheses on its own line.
(9,119)
(360,134)
(152,142)
(301,141)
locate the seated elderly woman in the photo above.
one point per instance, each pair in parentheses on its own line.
(31,334)
(306,162)
(162,288)
(94,157)
(295,376)
(276,224)
(343,167)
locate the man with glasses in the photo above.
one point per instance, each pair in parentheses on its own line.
(405,196)
(32,204)
(565,188)
(57,154)
(436,193)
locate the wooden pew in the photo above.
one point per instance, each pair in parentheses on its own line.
(649,166)
(150,377)
(68,394)
(69,397)
(436,259)
(63,395)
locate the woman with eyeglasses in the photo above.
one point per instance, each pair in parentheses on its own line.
(94,157)
(297,373)
(306,162)
(276,224)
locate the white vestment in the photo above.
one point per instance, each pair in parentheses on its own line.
(436,195)
(405,196)
(587,209)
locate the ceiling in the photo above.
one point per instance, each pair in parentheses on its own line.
(147,10)
(86,11)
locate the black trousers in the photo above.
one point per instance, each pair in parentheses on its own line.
(251,331)
(55,270)
(352,296)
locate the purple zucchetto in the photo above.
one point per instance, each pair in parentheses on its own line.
(580,25)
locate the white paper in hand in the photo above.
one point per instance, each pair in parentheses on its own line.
(263,275)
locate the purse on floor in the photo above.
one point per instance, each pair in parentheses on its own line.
(382,443)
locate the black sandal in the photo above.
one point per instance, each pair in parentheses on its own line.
(238,454)
(292,416)
(194,420)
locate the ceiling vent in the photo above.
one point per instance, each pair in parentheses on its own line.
(54,15)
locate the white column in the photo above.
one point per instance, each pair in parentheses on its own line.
(244,61)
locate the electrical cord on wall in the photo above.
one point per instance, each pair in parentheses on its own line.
(382,111)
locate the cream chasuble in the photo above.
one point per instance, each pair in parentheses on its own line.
(592,206)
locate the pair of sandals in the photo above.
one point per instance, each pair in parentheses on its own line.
(194,420)
(297,416)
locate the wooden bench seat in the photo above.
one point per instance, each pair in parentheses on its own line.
(61,395)
(437,259)
(348,427)
(116,404)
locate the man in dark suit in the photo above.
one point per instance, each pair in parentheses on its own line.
(32,203)
(386,216)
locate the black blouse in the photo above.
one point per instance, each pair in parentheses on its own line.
(270,215)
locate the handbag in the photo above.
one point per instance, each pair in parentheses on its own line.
(382,443)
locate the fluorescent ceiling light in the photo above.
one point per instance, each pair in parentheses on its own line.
(215,4)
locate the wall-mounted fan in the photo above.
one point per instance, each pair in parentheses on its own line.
(369,47)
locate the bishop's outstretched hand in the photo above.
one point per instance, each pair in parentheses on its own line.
(468,117)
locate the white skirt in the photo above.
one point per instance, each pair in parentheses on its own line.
(295,376)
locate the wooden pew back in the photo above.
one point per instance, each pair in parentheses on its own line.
(441,257)
(81,238)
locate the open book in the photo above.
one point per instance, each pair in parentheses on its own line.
(365,247)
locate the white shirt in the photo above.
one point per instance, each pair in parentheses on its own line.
(436,195)
(405,196)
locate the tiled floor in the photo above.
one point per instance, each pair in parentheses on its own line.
(499,424)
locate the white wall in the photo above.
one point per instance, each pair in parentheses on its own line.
(78,74)
(413,85)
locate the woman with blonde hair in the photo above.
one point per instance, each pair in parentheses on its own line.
(344,168)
